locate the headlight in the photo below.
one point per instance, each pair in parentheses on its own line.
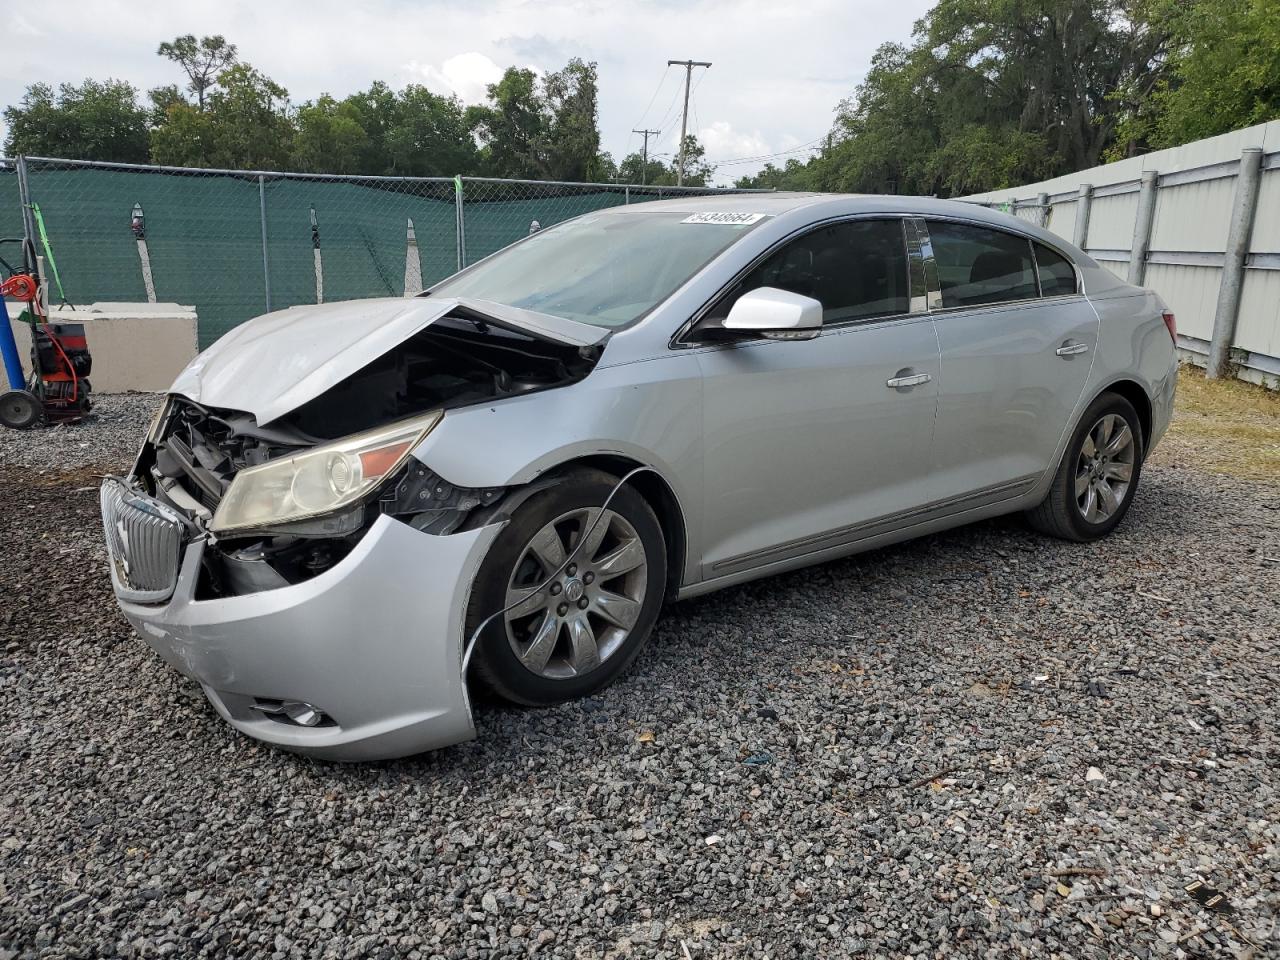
(319,481)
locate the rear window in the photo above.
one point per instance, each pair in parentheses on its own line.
(1057,276)
(978,265)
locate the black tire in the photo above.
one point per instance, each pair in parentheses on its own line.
(1059,514)
(20,409)
(496,663)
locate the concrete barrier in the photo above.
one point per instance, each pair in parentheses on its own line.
(135,346)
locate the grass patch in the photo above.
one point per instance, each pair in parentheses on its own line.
(1226,426)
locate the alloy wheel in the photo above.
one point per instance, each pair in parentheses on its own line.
(1104,469)
(584,615)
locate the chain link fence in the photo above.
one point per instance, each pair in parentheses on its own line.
(235,244)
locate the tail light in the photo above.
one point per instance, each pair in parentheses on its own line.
(1172,324)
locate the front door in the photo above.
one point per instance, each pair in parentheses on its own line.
(807,444)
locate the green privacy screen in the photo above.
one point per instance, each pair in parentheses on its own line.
(204,233)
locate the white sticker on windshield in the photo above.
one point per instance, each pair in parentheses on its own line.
(736,219)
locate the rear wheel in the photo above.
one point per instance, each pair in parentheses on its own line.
(584,587)
(1098,475)
(20,409)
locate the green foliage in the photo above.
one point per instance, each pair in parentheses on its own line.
(246,126)
(542,129)
(794,175)
(697,171)
(201,60)
(429,136)
(92,121)
(1223,73)
(990,93)
(329,138)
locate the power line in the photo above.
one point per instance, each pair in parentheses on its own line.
(769,156)
(661,80)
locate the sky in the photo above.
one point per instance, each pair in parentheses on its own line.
(778,71)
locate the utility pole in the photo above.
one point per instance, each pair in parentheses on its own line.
(684,119)
(644,163)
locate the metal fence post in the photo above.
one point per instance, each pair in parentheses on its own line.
(626,195)
(1043,200)
(1083,205)
(266,266)
(462,221)
(1142,227)
(1233,260)
(28,222)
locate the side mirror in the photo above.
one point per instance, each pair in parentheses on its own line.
(776,315)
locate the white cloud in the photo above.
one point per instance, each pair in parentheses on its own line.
(778,69)
(723,142)
(468,75)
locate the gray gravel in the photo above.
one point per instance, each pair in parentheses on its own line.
(107,440)
(896,755)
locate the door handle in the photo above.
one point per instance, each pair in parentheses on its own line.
(913,380)
(1071,349)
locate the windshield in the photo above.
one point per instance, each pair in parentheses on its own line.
(608,269)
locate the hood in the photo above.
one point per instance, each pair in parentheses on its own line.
(277,362)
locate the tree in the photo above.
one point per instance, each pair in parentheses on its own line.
(794,175)
(429,136)
(1223,73)
(377,110)
(991,93)
(92,121)
(657,173)
(246,125)
(571,139)
(542,128)
(634,169)
(329,138)
(201,60)
(510,126)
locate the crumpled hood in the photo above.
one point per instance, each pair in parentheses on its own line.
(277,362)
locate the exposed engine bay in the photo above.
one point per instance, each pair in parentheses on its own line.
(196,451)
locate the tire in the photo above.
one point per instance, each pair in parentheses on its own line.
(1098,477)
(20,409)
(540,653)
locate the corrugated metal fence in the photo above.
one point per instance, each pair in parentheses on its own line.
(235,244)
(1199,224)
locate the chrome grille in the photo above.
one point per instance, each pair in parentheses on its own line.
(144,541)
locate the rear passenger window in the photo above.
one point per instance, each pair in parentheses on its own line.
(857,270)
(978,265)
(1057,276)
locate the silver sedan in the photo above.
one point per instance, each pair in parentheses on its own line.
(346,514)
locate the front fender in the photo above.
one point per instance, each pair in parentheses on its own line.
(649,412)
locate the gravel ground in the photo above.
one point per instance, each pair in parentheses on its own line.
(983,743)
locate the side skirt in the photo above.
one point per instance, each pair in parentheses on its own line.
(878,533)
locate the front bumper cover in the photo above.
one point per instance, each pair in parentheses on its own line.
(375,642)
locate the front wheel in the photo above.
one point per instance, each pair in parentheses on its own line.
(584,587)
(20,409)
(1098,476)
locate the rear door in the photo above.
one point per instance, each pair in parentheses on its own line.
(807,443)
(1017,341)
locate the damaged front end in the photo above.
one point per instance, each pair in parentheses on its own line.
(305,567)
(276,500)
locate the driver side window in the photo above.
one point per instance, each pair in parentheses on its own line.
(856,269)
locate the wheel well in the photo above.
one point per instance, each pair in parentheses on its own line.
(1137,396)
(661,498)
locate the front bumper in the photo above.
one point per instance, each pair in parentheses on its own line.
(375,642)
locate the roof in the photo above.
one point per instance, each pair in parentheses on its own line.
(817,206)
(784,202)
